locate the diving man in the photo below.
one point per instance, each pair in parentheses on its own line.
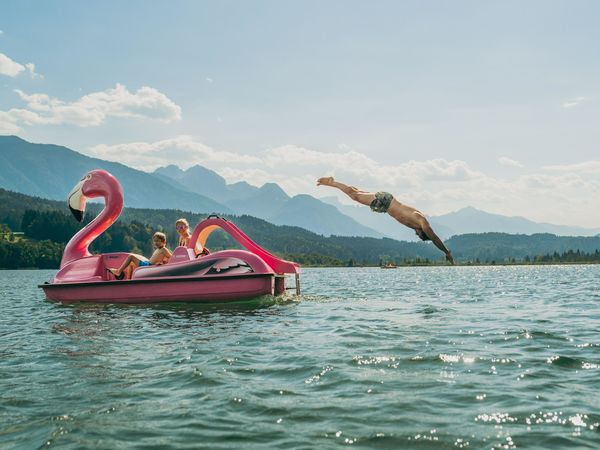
(385,202)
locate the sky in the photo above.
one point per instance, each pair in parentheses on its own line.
(490,104)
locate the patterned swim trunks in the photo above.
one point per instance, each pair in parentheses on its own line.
(382,202)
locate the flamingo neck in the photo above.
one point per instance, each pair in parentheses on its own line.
(78,245)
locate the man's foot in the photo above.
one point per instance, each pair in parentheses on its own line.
(325,181)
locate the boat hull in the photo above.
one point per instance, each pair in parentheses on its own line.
(159,290)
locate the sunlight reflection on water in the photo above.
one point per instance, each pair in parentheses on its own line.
(434,357)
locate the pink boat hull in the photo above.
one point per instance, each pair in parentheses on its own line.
(151,290)
(227,275)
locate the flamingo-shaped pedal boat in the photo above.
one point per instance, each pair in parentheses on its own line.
(226,275)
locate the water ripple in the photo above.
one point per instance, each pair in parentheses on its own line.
(430,357)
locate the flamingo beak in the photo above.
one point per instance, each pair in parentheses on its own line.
(77,200)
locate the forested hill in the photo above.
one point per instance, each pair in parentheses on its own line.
(501,247)
(51,222)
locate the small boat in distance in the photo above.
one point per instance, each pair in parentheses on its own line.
(226,275)
(389,265)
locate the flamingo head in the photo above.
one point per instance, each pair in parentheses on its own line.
(96,183)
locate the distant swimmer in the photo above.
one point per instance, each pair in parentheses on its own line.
(382,202)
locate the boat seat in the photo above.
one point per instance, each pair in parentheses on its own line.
(181,254)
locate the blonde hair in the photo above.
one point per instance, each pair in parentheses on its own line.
(183,221)
(160,235)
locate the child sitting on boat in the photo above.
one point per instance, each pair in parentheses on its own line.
(160,256)
(183,229)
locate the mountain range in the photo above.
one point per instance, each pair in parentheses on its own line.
(50,171)
(471,220)
(268,202)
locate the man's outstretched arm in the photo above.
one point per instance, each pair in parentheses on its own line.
(438,242)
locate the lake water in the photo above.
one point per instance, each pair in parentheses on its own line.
(424,358)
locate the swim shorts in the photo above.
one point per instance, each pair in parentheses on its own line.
(145,263)
(382,202)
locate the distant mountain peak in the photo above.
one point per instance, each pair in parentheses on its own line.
(12,139)
(197,179)
(273,189)
(200,171)
(8,137)
(473,220)
(242,183)
(171,170)
(311,198)
(197,167)
(470,209)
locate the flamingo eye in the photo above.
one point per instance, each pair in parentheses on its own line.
(88,176)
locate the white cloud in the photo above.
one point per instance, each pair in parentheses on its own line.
(183,151)
(93,109)
(504,161)
(589,167)
(354,165)
(12,68)
(7,124)
(9,67)
(31,69)
(208,79)
(1,32)
(572,103)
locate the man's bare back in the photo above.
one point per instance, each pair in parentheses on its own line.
(384,202)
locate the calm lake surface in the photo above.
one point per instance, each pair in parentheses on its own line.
(424,358)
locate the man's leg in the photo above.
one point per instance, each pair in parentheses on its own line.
(366,198)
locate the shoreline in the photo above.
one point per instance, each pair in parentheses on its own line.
(400,266)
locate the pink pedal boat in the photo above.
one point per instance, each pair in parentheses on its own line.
(227,275)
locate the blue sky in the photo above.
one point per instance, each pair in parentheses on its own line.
(446,104)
